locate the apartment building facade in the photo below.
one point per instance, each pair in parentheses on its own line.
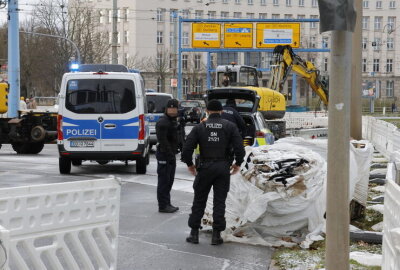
(147,38)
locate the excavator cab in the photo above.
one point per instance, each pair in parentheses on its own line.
(237,75)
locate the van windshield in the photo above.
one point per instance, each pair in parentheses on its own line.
(105,96)
(157,103)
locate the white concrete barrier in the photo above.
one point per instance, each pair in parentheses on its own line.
(383,135)
(301,120)
(391,227)
(65,226)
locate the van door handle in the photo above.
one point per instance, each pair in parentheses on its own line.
(110,126)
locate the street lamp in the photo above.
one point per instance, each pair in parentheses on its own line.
(78,55)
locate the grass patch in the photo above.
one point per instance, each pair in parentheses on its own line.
(395,122)
(314,258)
(371,218)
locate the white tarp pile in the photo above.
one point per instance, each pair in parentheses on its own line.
(279,198)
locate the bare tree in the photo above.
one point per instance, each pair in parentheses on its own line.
(136,62)
(159,65)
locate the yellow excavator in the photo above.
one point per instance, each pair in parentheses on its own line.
(272,101)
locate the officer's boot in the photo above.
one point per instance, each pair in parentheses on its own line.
(216,238)
(193,237)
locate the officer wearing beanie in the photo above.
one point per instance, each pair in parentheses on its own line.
(167,136)
(215,137)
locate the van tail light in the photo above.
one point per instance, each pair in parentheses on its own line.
(141,127)
(60,135)
(260,134)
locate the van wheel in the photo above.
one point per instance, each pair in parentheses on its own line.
(141,165)
(64,164)
(102,162)
(76,162)
(36,148)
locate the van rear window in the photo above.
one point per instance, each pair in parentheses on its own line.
(105,96)
(157,103)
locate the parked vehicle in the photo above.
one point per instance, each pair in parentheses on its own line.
(192,110)
(156,103)
(257,132)
(102,118)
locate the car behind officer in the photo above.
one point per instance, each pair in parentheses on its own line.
(215,137)
(167,136)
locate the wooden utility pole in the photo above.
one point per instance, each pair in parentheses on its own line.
(337,212)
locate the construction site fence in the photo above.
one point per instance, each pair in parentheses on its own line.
(63,226)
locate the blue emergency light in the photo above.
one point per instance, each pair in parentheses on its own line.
(74,67)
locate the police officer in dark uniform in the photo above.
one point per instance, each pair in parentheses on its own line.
(167,136)
(215,137)
(230,113)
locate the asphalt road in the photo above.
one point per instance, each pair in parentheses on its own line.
(147,239)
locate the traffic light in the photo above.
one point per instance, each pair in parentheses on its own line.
(3,97)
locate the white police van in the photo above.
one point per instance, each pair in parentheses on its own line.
(156,103)
(102,117)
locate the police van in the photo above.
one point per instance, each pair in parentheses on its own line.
(102,118)
(156,103)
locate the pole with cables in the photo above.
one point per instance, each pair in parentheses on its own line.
(114,45)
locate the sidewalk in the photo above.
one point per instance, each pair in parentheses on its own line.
(151,240)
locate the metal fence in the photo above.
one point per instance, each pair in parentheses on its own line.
(65,226)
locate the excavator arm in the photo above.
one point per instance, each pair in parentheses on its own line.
(285,61)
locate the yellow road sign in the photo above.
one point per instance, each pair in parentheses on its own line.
(238,35)
(271,34)
(206,35)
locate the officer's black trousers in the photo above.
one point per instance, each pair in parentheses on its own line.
(166,174)
(214,174)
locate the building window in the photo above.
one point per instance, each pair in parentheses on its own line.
(263,2)
(185,86)
(110,16)
(185,14)
(159,59)
(275,16)
(185,38)
(126,37)
(314,3)
(365,4)
(237,2)
(159,84)
(313,24)
(237,15)
(275,2)
(376,44)
(173,14)
(302,88)
(212,14)
(288,16)
(325,64)
(159,37)
(171,61)
(391,24)
(378,23)
(126,14)
(250,15)
(365,23)
(198,14)
(262,15)
(392,4)
(301,3)
(389,88)
(288,3)
(250,2)
(376,65)
(390,43)
(160,15)
(364,43)
(364,65)
(184,61)
(379,4)
(171,38)
(199,85)
(325,42)
(389,65)
(300,17)
(224,14)
(224,1)
(126,57)
(313,42)
(197,61)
